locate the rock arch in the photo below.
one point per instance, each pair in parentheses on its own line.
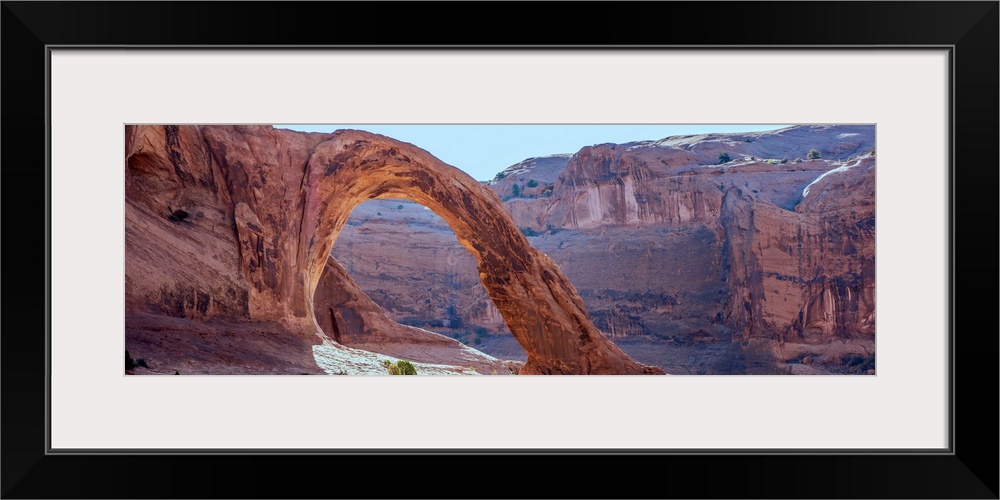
(540,306)
(289,194)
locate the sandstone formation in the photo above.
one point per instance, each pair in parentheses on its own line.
(233,225)
(526,189)
(695,266)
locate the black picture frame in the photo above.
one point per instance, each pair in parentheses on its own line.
(968,29)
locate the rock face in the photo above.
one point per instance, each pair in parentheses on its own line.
(698,267)
(530,178)
(526,189)
(413,265)
(806,276)
(235,224)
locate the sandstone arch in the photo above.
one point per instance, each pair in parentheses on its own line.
(542,309)
(289,194)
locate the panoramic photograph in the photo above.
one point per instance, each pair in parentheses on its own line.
(353,249)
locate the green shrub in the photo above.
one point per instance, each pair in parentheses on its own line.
(406,368)
(814,155)
(547,192)
(499,176)
(399,207)
(401,367)
(724,158)
(532,183)
(784,161)
(527,231)
(515,190)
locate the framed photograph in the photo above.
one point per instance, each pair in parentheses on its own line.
(777,364)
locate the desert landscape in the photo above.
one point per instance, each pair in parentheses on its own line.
(262,250)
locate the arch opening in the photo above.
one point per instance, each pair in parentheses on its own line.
(408,261)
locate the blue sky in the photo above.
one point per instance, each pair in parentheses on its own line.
(484,150)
